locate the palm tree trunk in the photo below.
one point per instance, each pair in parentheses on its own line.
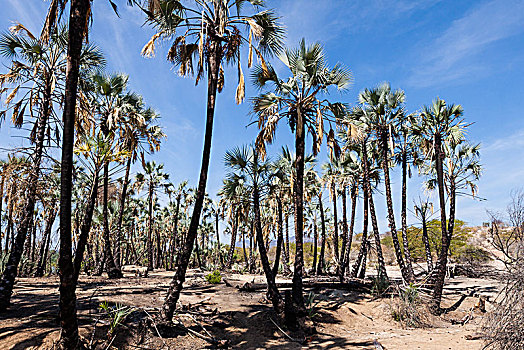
(111,269)
(121,213)
(150,265)
(406,274)
(425,240)
(85,228)
(367,190)
(287,271)
(298,311)
(11,268)
(272,291)
(440,269)
(335,223)
(342,264)
(2,183)
(219,250)
(233,239)
(246,260)
(176,285)
(315,246)
(407,253)
(321,261)
(351,228)
(51,216)
(68,320)
(280,236)
(363,246)
(175,232)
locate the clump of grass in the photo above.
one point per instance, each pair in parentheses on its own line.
(214,277)
(407,308)
(311,304)
(116,314)
(380,284)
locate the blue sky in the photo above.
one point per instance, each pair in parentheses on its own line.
(466,52)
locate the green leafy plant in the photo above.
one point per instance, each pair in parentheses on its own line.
(380,284)
(214,277)
(116,313)
(406,309)
(311,304)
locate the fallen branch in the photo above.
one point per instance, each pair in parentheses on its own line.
(287,335)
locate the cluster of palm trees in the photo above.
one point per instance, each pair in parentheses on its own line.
(113,220)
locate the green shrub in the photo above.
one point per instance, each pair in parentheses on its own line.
(214,278)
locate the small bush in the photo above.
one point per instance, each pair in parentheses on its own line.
(380,284)
(214,278)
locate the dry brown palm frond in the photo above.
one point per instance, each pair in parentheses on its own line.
(149,49)
(18,27)
(241,88)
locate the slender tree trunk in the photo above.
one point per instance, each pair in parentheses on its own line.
(298,311)
(121,214)
(425,240)
(287,270)
(280,236)
(176,285)
(150,265)
(11,268)
(272,291)
(111,269)
(321,261)
(406,274)
(175,232)
(367,189)
(68,320)
(85,228)
(342,264)
(2,183)
(440,269)
(345,266)
(362,273)
(335,223)
(46,239)
(315,247)
(363,246)
(405,242)
(233,239)
(246,260)
(220,258)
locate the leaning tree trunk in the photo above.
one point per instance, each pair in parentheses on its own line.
(342,263)
(425,240)
(176,285)
(118,231)
(296,313)
(44,249)
(272,291)
(85,228)
(367,192)
(440,269)
(11,268)
(407,253)
(321,260)
(363,246)
(351,228)
(280,236)
(407,275)
(233,239)
(68,320)
(287,270)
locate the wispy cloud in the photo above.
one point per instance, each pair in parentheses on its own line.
(456,53)
(29,13)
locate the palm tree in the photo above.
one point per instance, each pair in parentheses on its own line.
(332,174)
(213,34)
(383,109)
(246,168)
(152,179)
(78,19)
(36,74)
(298,99)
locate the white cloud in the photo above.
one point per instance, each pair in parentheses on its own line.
(456,54)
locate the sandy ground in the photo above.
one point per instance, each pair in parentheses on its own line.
(343,319)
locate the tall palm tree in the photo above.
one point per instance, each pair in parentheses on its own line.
(36,75)
(299,100)
(212,33)
(384,108)
(438,123)
(332,174)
